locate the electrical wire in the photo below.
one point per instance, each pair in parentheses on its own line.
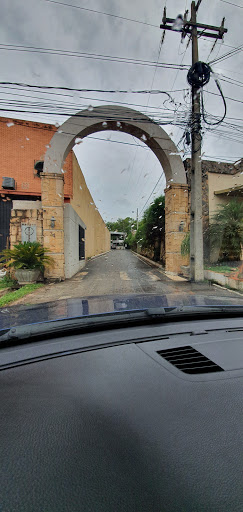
(85,55)
(101,12)
(225,106)
(151,192)
(227,55)
(226,97)
(152,83)
(230,3)
(110,91)
(115,102)
(54,130)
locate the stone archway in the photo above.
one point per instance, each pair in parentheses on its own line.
(130,121)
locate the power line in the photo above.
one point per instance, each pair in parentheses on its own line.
(227,45)
(100,12)
(227,55)
(68,110)
(81,97)
(152,192)
(86,116)
(86,55)
(230,3)
(110,91)
(51,128)
(226,97)
(231,81)
(152,83)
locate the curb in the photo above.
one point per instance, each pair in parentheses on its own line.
(147,260)
(97,256)
(172,277)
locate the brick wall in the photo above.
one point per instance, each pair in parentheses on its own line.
(22,143)
(27,216)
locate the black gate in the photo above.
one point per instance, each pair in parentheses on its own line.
(5,214)
(81,243)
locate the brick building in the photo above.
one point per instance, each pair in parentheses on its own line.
(22,151)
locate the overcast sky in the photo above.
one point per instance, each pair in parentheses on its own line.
(120,176)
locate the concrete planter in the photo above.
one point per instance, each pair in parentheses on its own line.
(27,276)
(185,270)
(224,280)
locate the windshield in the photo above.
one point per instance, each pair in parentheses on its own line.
(121,167)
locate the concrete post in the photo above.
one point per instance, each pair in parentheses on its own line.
(176,226)
(53,206)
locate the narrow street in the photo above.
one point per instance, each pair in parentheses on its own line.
(120,273)
(114,281)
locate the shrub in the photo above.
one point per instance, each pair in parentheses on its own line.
(27,255)
(185,245)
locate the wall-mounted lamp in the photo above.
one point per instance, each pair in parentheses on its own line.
(53,220)
(181,226)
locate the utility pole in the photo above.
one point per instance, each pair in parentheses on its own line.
(196,221)
(137,218)
(194,29)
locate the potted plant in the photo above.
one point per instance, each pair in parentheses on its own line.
(29,260)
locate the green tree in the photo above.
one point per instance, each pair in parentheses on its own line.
(153,226)
(124,225)
(226,230)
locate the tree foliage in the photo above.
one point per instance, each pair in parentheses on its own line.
(151,228)
(226,230)
(124,225)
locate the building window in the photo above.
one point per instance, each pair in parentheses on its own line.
(81,243)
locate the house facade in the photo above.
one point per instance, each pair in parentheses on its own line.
(221,182)
(23,197)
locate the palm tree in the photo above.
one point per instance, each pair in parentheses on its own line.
(226,230)
(27,255)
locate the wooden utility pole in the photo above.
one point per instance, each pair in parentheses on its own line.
(194,29)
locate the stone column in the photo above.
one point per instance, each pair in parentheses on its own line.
(176,226)
(53,205)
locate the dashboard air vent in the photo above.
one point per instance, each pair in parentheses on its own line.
(189,360)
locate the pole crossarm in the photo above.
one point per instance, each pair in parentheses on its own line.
(206,34)
(188,26)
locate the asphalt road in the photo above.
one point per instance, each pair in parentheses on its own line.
(120,272)
(114,281)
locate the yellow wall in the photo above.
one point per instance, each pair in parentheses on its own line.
(97,236)
(217,181)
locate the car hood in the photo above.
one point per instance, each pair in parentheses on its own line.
(83,306)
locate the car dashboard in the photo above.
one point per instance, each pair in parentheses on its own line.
(143,418)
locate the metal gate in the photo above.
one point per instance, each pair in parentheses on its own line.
(81,242)
(5,214)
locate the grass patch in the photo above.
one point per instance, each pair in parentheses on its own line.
(7,282)
(18,294)
(221,268)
